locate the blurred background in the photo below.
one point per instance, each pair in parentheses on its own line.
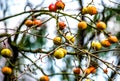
(108,11)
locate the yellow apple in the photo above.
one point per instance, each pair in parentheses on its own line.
(96,45)
(59,54)
(84,10)
(64,50)
(6,52)
(70,38)
(57,40)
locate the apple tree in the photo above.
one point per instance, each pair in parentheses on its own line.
(74,40)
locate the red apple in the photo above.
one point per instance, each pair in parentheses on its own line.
(76,70)
(52,8)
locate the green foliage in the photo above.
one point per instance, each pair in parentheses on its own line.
(35,41)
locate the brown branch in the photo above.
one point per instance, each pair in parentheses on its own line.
(114,2)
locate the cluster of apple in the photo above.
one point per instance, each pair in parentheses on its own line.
(59,5)
(89,70)
(61,52)
(7,53)
(105,42)
(58,40)
(82,25)
(90,9)
(100,25)
(34,22)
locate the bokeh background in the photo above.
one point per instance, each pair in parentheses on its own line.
(109,12)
